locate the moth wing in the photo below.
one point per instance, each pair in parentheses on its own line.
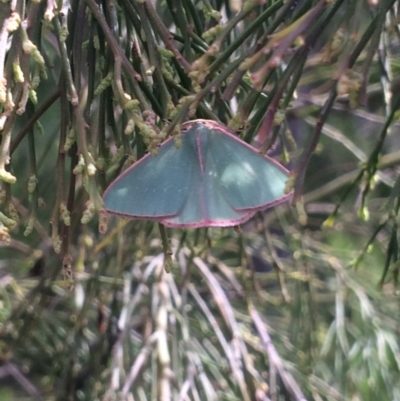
(155,186)
(246,179)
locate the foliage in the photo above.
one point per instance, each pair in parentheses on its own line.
(289,307)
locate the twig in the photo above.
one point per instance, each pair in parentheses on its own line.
(32,120)
(274,358)
(389,160)
(12,370)
(73,95)
(166,35)
(237,373)
(131,74)
(139,363)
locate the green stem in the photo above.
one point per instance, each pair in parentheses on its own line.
(166,247)
(131,74)
(252,28)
